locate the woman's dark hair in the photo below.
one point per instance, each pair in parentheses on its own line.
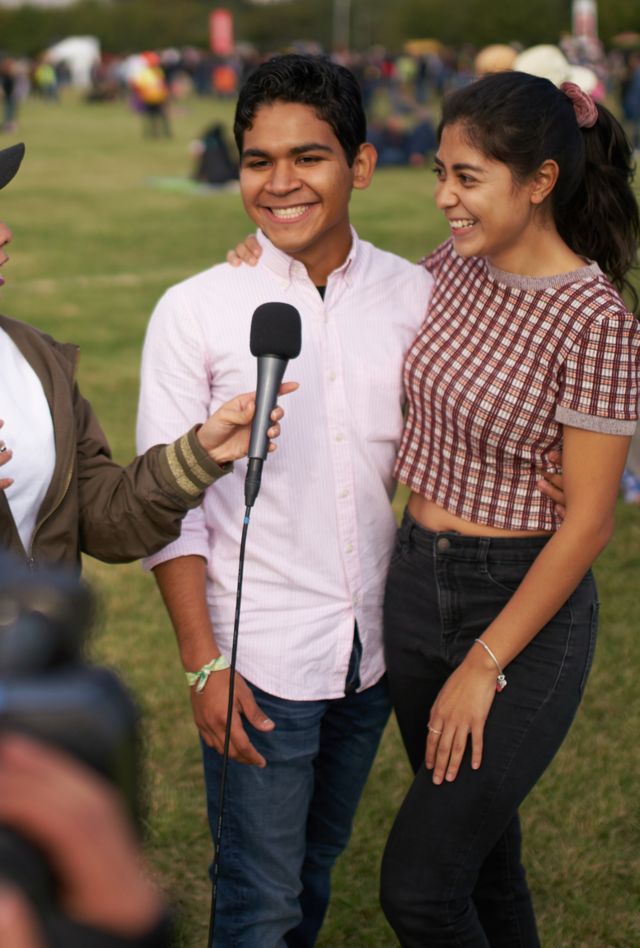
(331,90)
(524,120)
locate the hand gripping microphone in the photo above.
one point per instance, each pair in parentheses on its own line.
(275,338)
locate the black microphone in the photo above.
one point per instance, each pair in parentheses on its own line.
(275,338)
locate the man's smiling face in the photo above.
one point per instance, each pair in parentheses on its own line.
(296,184)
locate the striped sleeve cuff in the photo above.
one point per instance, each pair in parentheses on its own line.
(577,419)
(187,465)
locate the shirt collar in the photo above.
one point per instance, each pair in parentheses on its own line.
(288,269)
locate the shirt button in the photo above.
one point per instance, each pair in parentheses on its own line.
(339,436)
(443,544)
(332,376)
(349,548)
(344,492)
(356,601)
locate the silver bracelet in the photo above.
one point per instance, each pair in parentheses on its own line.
(501,681)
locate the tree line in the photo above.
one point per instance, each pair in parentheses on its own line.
(130,25)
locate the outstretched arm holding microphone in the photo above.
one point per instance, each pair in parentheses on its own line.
(65,495)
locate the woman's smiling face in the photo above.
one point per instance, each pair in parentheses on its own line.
(489,213)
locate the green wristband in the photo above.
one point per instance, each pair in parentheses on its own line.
(200,678)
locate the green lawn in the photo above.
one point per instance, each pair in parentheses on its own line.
(94,246)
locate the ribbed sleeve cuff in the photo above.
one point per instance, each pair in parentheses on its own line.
(187,465)
(577,419)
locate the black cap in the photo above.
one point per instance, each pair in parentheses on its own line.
(10,159)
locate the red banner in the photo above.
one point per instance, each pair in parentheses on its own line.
(221,31)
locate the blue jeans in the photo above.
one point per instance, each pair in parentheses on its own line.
(451,872)
(285,825)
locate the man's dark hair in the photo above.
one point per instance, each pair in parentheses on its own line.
(331,90)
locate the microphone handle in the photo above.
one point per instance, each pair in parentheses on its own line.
(252,481)
(270,371)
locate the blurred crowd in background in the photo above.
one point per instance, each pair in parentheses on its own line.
(401,90)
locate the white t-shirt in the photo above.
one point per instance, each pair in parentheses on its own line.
(28,433)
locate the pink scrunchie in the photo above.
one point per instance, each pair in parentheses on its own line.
(583,105)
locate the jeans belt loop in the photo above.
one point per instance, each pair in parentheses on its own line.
(409,528)
(483,552)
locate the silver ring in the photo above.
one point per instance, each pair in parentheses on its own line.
(432,730)
(3,449)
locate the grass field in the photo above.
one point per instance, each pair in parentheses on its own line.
(95,244)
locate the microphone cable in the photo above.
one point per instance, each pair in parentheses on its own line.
(274,339)
(227,731)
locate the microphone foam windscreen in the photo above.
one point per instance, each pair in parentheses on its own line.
(276,330)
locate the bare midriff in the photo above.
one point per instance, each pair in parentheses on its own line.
(435,518)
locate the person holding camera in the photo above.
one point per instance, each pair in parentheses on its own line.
(78,822)
(18,925)
(61,493)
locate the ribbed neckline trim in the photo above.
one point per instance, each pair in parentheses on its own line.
(590,271)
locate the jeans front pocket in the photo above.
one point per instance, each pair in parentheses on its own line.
(503,574)
(591,649)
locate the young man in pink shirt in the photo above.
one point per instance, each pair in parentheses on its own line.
(311,697)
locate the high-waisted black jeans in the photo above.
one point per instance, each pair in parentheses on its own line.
(451,871)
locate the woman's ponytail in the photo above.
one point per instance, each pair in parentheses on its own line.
(601,219)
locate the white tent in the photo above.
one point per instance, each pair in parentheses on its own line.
(81,54)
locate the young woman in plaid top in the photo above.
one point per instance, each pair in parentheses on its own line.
(528,349)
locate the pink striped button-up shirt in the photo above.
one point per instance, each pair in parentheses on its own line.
(322,530)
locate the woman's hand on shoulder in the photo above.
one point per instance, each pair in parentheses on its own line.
(247,251)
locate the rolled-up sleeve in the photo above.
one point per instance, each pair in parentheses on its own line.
(599,377)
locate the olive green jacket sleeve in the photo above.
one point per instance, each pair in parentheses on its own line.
(129,512)
(93,505)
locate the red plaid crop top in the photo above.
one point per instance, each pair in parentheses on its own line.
(501,363)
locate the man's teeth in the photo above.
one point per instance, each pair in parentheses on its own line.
(461,225)
(284,213)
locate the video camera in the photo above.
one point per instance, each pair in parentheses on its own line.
(48,691)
